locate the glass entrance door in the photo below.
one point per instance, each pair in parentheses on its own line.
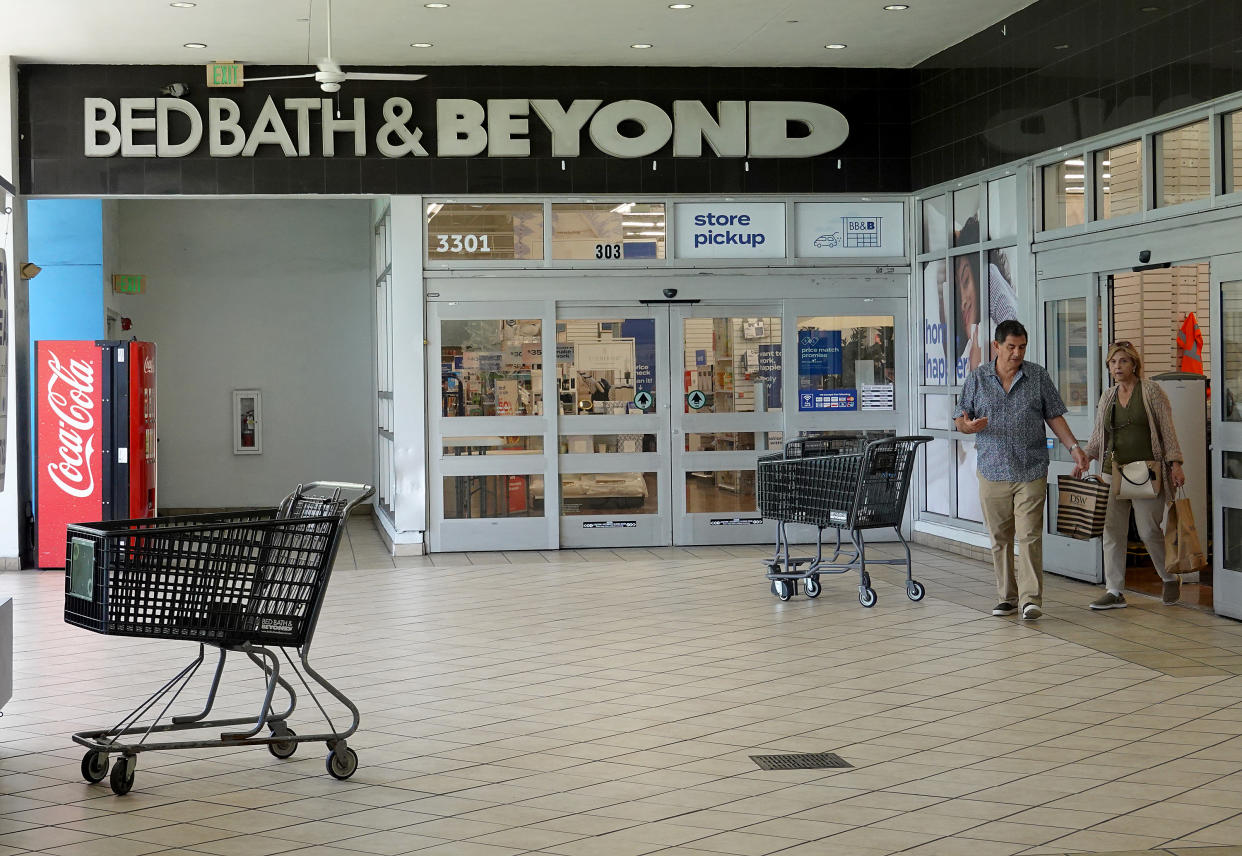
(491,437)
(728,408)
(613,408)
(1225,452)
(1072,317)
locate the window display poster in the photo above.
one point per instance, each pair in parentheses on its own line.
(730,230)
(827,399)
(935,325)
(1002,293)
(770,374)
(642,331)
(971,340)
(819,352)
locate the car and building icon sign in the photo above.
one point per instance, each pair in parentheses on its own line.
(856,233)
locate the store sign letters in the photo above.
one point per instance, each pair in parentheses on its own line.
(499,127)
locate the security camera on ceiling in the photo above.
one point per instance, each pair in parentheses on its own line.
(329,75)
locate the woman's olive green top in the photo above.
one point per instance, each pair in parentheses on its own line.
(1131,432)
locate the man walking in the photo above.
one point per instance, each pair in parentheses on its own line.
(1006,402)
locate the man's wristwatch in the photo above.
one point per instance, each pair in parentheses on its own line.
(1075,446)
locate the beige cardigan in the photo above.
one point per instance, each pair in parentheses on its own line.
(1164,443)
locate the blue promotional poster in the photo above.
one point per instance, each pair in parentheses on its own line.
(819,352)
(770,374)
(642,331)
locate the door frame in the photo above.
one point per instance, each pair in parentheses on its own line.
(1226,436)
(515,533)
(1080,560)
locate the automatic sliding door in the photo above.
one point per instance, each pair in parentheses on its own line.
(1226,450)
(612,387)
(491,438)
(728,410)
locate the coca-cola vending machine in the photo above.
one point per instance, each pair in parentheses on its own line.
(96,444)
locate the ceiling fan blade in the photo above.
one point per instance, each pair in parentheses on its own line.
(279,77)
(381,75)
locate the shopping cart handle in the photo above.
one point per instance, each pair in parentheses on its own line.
(365,491)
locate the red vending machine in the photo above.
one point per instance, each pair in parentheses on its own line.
(95,446)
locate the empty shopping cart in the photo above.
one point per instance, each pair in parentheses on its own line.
(813,483)
(251,581)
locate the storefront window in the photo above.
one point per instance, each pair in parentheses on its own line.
(472,497)
(966,220)
(735,441)
(1183,164)
(846,363)
(1231,349)
(935,224)
(714,491)
(1233,152)
(1066,339)
(937,311)
(491,368)
(458,231)
(1119,180)
(967,463)
(493,445)
(607,444)
(609,231)
(970,340)
(1003,207)
(733,365)
(602,493)
(605,366)
(938,467)
(1064,200)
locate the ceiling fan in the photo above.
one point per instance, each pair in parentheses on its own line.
(329,75)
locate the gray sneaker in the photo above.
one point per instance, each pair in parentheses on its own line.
(1110,601)
(1030,612)
(1172,592)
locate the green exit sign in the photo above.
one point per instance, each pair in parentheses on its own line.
(128,283)
(224,74)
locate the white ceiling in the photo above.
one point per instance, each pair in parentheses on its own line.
(760,33)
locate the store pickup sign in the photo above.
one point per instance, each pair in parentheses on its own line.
(456,127)
(731,230)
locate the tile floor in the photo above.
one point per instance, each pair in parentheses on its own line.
(606,703)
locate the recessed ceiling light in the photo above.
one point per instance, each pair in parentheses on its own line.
(641,46)
(436,5)
(183,5)
(421,44)
(835,46)
(195,45)
(896,7)
(681,5)
(1061,47)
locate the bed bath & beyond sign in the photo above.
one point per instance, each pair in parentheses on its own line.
(463,128)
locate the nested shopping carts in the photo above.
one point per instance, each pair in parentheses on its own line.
(250,581)
(815,483)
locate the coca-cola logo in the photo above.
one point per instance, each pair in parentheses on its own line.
(73,407)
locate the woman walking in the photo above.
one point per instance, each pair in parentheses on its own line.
(1134,422)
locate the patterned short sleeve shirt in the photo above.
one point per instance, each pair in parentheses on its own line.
(1012,447)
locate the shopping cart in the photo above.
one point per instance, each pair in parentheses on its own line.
(812,482)
(249,581)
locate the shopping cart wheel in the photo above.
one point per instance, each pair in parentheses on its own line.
(781,588)
(284,748)
(866,596)
(94,766)
(122,778)
(915,590)
(342,763)
(812,587)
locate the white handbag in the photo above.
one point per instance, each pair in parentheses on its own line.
(1137,479)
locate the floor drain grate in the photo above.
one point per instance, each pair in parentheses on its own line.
(809,761)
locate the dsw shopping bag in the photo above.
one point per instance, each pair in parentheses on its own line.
(1183,552)
(1081,506)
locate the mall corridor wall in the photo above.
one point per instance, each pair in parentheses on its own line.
(274,295)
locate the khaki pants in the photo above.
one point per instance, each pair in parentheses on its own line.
(1148,515)
(1009,509)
